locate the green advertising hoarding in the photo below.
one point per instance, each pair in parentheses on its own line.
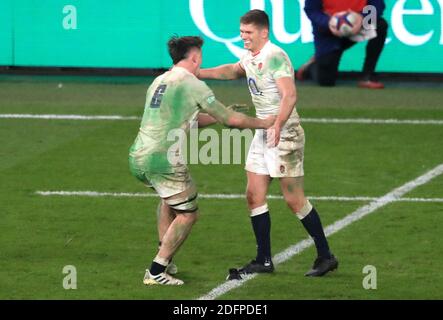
(6,40)
(133,33)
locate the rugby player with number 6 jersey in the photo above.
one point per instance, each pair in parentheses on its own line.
(174,100)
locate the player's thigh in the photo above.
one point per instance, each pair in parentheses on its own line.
(286,160)
(183,202)
(255,162)
(257,188)
(177,190)
(165,215)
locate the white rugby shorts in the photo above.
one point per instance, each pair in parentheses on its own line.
(284,160)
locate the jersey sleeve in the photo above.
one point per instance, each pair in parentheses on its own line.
(241,62)
(217,110)
(201,93)
(207,102)
(280,66)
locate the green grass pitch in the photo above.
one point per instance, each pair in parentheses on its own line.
(111,240)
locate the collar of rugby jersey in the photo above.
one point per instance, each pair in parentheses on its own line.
(260,52)
(181,69)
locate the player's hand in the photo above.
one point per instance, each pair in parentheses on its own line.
(273,136)
(239,107)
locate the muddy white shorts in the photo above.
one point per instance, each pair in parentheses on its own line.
(284,160)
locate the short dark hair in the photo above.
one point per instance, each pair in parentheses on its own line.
(257,17)
(179,47)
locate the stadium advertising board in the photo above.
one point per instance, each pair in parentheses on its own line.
(132,34)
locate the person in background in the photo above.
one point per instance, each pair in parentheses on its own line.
(329,45)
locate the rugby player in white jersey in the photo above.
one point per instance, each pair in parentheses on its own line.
(174,100)
(278,151)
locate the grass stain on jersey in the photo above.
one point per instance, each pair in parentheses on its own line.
(279,63)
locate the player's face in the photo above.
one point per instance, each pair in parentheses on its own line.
(254,38)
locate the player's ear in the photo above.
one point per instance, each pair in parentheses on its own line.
(264,33)
(194,55)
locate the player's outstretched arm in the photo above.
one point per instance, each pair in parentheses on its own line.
(223,72)
(239,107)
(241,121)
(205,120)
(235,119)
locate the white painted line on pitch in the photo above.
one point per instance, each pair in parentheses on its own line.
(66,117)
(370,121)
(305,120)
(333,228)
(219,196)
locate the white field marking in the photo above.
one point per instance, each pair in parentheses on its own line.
(333,228)
(305,120)
(370,121)
(66,117)
(220,196)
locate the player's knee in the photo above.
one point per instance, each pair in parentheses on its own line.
(296,204)
(190,217)
(187,219)
(254,199)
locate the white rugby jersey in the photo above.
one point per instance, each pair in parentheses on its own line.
(262,69)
